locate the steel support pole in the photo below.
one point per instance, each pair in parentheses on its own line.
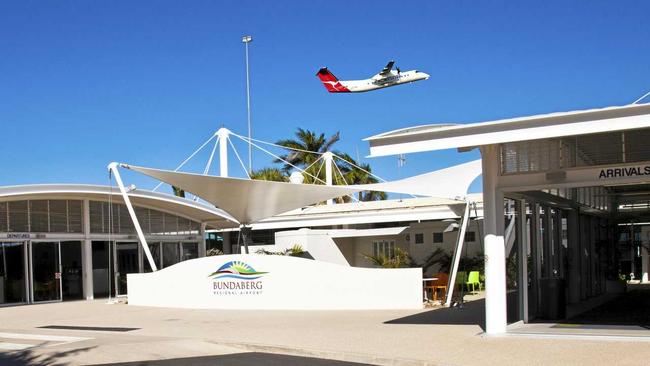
(145,247)
(460,242)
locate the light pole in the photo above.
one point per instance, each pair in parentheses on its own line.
(247,40)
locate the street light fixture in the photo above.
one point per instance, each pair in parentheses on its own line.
(246,40)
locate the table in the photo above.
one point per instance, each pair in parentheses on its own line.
(424,282)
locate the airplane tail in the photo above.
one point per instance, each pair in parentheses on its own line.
(330,81)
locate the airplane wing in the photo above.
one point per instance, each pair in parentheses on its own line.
(387,69)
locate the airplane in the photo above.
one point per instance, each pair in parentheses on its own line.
(385,78)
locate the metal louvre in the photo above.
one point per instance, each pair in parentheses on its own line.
(58,212)
(530,156)
(576,151)
(75,216)
(151,221)
(4,217)
(18,216)
(38,212)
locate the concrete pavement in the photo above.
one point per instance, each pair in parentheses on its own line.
(426,337)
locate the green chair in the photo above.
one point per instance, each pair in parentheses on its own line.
(473,280)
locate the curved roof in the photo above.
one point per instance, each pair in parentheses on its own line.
(212,216)
(551,125)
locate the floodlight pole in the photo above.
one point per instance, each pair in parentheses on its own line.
(112,167)
(247,40)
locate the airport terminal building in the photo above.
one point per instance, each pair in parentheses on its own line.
(63,242)
(72,242)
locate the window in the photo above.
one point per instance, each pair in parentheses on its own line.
(470,236)
(419,238)
(383,248)
(437,238)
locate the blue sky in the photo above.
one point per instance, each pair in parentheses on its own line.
(83,83)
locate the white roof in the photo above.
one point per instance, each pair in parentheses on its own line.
(160,201)
(440,137)
(371,212)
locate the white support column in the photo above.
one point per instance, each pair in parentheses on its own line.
(495,264)
(329,160)
(224,135)
(87,255)
(145,247)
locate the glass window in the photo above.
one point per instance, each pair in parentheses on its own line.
(438,238)
(419,238)
(384,248)
(170,254)
(190,251)
(154,248)
(470,236)
(12,273)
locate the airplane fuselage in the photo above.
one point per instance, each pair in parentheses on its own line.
(395,78)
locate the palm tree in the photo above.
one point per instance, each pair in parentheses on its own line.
(306,141)
(178,192)
(359,173)
(273,174)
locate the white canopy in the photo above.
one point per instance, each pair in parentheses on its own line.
(452,182)
(248,200)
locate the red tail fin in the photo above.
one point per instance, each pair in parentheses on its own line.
(331,82)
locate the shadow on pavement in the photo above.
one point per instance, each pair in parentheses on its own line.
(242,359)
(471,313)
(28,357)
(630,308)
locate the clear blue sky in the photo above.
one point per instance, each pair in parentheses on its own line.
(83,83)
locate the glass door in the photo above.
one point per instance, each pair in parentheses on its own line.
(127,259)
(12,273)
(71,271)
(46,271)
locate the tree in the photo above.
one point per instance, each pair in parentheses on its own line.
(401,259)
(306,141)
(273,174)
(178,192)
(359,173)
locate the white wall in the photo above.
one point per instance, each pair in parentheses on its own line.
(290,283)
(318,243)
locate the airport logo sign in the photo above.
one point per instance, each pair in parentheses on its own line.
(237,278)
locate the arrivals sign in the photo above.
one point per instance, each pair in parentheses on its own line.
(625,172)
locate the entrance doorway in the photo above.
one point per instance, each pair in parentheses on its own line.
(46,271)
(127,260)
(13,273)
(71,273)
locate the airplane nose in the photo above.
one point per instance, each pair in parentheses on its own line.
(426,76)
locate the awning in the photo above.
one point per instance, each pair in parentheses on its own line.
(248,201)
(452,182)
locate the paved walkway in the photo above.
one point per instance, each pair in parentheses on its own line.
(426,337)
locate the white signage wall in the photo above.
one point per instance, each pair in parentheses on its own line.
(275,282)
